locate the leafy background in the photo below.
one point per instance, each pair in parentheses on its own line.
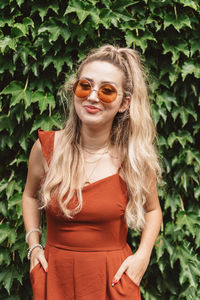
(41,42)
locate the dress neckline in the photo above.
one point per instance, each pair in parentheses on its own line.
(85,187)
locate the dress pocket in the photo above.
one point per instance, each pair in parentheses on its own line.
(126,289)
(34,269)
(130,280)
(38,282)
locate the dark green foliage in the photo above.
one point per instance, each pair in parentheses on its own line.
(40,43)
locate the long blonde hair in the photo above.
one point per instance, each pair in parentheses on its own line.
(132,133)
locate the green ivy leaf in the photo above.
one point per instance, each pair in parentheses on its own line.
(43,100)
(169,247)
(79,8)
(158,113)
(177,21)
(58,63)
(194,45)
(139,40)
(47,124)
(166,99)
(21,247)
(107,17)
(28,22)
(20,2)
(18,92)
(197,192)
(4,257)
(181,136)
(8,275)
(10,189)
(190,3)
(160,248)
(43,8)
(47,61)
(190,67)
(13,88)
(6,124)
(7,233)
(176,47)
(3,209)
(184,113)
(190,267)
(173,202)
(187,220)
(7,42)
(16,203)
(22,27)
(174,73)
(55,31)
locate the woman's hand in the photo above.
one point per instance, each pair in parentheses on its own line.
(37,256)
(135,266)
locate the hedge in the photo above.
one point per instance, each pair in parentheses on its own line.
(41,43)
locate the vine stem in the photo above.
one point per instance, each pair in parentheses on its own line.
(175,12)
(26,84)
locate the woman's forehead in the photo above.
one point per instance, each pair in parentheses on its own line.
(102,71)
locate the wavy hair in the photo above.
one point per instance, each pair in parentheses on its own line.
(133,134)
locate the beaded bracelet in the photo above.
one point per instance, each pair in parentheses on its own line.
(32,230)
(31,249)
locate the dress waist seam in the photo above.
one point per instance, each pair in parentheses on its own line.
(84,250)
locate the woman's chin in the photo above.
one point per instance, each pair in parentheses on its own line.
(95,124)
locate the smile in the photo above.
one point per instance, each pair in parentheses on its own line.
(92,109)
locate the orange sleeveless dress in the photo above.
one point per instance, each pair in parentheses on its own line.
(84,254)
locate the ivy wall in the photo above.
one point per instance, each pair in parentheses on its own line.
(41,42)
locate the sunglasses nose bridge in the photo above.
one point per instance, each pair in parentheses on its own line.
(93,92)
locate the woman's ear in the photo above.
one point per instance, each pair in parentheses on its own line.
(125,104)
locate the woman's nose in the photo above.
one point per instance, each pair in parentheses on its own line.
(93,96)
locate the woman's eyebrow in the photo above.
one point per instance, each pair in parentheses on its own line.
(109,82)
(102,82)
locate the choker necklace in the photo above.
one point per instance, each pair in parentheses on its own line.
(97,154)
(95,151)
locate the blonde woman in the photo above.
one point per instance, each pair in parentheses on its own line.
(96,178)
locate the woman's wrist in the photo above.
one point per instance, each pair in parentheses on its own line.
(144,252)
(32,231)
(30,250)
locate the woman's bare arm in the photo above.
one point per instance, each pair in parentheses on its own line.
(30,203)
(135,265)
(153,220)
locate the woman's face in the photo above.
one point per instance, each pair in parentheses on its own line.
(91,111)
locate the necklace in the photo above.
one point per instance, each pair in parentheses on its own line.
(96,151)
(87,181)
(96,160)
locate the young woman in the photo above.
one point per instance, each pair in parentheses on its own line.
(96,178)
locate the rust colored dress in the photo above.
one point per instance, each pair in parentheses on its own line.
(84,254)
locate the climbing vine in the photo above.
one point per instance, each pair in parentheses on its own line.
(41,42)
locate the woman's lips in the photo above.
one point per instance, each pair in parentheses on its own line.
(92,109)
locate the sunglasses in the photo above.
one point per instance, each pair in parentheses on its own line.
(107,93)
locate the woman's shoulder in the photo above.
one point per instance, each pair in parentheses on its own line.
(47,141)
(42,132)
(36,154)
(44,135)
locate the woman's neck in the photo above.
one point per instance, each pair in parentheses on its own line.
(94,139)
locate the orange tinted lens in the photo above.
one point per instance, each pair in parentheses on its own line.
(82,88)
(107,93)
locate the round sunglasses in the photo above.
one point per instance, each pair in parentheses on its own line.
(106,92)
